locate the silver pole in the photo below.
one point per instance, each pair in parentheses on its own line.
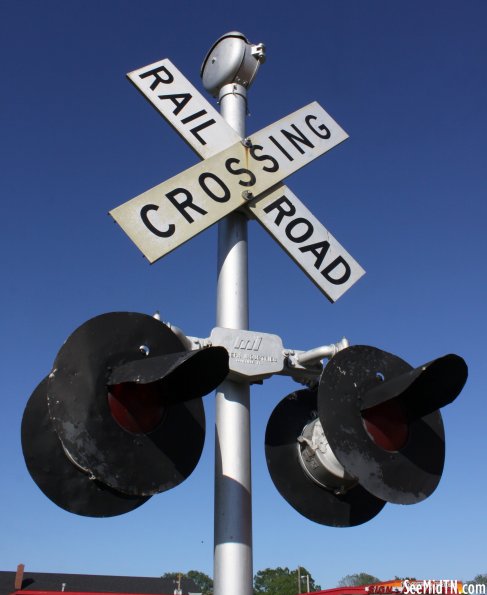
(233,573)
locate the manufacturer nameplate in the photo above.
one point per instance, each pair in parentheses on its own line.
(252,356)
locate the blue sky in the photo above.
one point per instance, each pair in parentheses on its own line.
(405,195)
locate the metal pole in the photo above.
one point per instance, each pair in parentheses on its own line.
(233,573)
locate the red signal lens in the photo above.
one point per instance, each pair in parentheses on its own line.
(387,425)
(137,408)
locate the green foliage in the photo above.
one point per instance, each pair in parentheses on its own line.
(171,575)
(480,579)
(282,581)
(200,579)
(357,579)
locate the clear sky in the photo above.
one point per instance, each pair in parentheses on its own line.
(405,195)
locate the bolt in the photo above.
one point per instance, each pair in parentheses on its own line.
(247,195)
(247,142)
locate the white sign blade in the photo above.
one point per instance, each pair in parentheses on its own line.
(307,241)
(171,213)
(183,106)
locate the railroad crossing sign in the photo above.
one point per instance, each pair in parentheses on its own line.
(236,173)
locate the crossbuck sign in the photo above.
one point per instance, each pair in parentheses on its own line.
(236,173)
